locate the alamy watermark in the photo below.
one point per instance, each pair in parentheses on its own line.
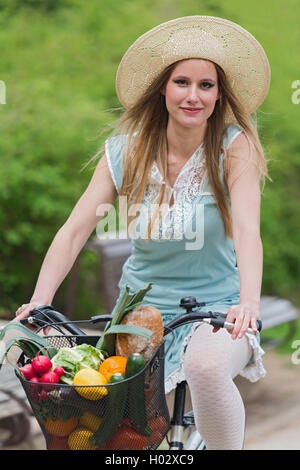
(296,95)
(178,226)
(2,92)
(295,358)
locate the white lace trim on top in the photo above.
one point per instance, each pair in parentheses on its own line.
(187,188)
(252,372)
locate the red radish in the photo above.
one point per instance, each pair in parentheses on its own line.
(41,364)
(43,395)
(49,378)
(27,371)
(59,370)
(35,380)
(35,389)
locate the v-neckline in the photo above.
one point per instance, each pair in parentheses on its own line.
(181,171)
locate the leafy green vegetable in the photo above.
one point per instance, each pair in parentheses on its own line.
(30,343)
(126,303)
(74,359)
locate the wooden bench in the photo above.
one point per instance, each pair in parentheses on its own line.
(114,252)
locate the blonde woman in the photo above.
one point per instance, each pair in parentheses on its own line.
(186,157)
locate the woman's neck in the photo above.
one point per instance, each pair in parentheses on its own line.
(184,141)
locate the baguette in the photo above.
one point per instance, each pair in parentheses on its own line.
(147,317)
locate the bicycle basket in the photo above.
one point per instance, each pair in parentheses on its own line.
(127,415)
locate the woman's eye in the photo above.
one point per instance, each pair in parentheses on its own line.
(179,81)
(182,82)
(206,83)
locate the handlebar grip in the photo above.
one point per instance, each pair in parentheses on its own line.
(45,315)
(259,325)
(224,316)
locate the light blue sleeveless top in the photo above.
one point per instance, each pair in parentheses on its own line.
(180,265)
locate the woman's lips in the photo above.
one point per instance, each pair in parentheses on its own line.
(190,111)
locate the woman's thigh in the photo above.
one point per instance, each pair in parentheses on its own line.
(209,352)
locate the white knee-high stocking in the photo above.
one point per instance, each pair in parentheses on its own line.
(211,362)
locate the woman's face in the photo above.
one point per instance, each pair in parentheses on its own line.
(192,85)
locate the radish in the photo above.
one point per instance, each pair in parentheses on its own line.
(35,389)
(35,380)
(49,378)
(41,364)
(43,395)
(27,371)
(59,370)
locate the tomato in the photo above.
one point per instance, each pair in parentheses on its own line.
(58,443)
(126,438)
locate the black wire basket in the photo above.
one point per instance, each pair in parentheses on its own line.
(128,415)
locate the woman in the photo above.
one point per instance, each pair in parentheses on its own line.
(187,144)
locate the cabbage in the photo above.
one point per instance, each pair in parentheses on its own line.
(74,359)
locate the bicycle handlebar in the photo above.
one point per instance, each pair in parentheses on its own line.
(45,315)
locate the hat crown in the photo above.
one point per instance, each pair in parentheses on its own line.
(192,42)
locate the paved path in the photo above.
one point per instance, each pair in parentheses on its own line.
(273,406)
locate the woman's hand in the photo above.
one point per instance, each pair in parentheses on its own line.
(243,316)
(24,311)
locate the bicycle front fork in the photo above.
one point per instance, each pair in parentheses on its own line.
(177,422)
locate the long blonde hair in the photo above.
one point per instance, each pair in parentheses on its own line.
(149,116)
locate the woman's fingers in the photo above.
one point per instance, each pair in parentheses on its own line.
(215,329)
(254,324)
(230,318)
(24,312)
(46,330)
(244,326)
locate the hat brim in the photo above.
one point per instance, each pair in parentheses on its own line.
(222,41)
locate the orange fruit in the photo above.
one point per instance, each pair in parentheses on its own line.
(61,428)
(112,365)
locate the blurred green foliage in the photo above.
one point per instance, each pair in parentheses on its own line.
(58,61)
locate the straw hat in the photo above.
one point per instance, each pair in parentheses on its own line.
(240,55)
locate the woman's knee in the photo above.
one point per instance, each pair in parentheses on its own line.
(203,370)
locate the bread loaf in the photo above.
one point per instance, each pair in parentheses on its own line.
(147,317)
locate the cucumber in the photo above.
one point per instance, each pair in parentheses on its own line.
(136,394)
(134,364)
(117,396)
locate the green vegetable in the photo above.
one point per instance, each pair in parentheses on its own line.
(48,409)
(117,395)
(126,303)
(74,359)
(136,394)
(30,343)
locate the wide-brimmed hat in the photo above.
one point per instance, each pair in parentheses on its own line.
(219,40)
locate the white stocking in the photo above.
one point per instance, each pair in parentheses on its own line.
(211,362)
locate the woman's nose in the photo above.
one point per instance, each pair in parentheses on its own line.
(193,94)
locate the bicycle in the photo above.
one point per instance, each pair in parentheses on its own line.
(178,431)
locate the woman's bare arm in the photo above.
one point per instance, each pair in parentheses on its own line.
(245,198)
(71,237)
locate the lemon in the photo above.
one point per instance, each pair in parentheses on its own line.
(90,421)
(90,377)
(79,440)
